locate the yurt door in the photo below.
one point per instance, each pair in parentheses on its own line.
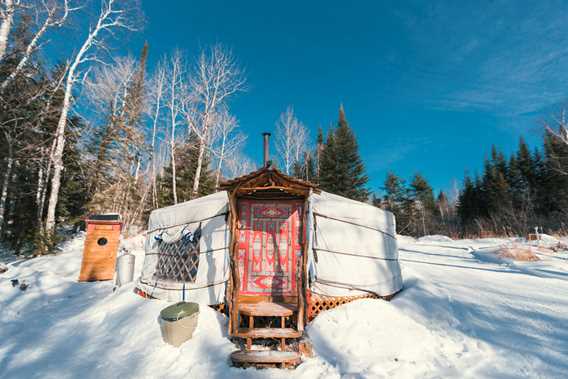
(269,248)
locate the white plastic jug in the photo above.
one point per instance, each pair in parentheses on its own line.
(125,268)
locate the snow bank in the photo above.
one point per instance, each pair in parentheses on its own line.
(374,338)
(458,317)
(435,238)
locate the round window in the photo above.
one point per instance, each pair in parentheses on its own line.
(102,241)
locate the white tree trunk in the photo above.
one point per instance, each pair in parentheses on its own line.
(50,20)
(109,18)
(6,26)
(220,163)
(39,190)
(4,192)
(173,163)
(154,131)
(198,168)
(58,154)
(176,63)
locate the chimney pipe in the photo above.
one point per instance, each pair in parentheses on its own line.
(266,136)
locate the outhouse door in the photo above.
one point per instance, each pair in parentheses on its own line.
(270,248)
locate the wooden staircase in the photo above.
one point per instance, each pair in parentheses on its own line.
(281,356)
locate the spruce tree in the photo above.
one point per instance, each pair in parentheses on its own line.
(305,169)
(342,171)
(396,199)
(319,148)
(327,164)
(424,203)
(186,160)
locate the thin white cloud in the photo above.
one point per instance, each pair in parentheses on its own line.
(508,58)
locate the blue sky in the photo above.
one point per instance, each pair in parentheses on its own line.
(427,86)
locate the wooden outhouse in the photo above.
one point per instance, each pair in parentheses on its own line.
(101,247)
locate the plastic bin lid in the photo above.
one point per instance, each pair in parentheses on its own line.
(178,311)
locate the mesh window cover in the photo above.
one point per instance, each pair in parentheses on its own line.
(179,260)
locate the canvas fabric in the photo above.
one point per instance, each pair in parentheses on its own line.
(352,248)
(209,212)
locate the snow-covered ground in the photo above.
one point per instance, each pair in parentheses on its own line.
(465,312)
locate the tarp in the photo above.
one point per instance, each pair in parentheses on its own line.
(352,248)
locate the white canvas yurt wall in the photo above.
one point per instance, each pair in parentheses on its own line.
(352,248)
(213,270)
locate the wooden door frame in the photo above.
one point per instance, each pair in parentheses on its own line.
(233,298)
(298,261)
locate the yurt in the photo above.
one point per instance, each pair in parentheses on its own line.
(269,245)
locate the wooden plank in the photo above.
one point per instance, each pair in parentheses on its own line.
(253,299)
(303,279)
(269,333)
(234,281)
(265,356)
(267,309)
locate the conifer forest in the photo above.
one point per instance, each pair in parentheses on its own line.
(93,130)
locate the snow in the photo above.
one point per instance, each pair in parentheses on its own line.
(435,238)
(464,312)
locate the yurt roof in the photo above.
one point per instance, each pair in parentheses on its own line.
(267,178)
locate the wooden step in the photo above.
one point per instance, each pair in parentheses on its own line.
(265,357)
(267,309)
(269,333)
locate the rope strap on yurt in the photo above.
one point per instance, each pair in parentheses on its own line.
(355,255)
(192,288)
(186,223)
(355,224)
(332,283)
(198,252)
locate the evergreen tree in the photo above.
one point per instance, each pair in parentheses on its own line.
(186,162)
(327,166)
(342,171)
(424,204)
(442,207)
(396,200)
(319,148)
(305,169)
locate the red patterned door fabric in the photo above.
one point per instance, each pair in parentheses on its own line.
(269,246)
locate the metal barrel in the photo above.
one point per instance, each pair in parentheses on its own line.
(125,268)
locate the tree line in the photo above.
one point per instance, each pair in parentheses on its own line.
(516,194)
(97,132)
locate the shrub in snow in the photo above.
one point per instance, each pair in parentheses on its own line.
(517,253)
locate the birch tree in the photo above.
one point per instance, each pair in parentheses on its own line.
(175,98)
(6,177)
(7,10)
(113,15)
(228,141)
(291,139)
(55,15)
(237,164)
(215,79)
(108,93)
(157,87)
